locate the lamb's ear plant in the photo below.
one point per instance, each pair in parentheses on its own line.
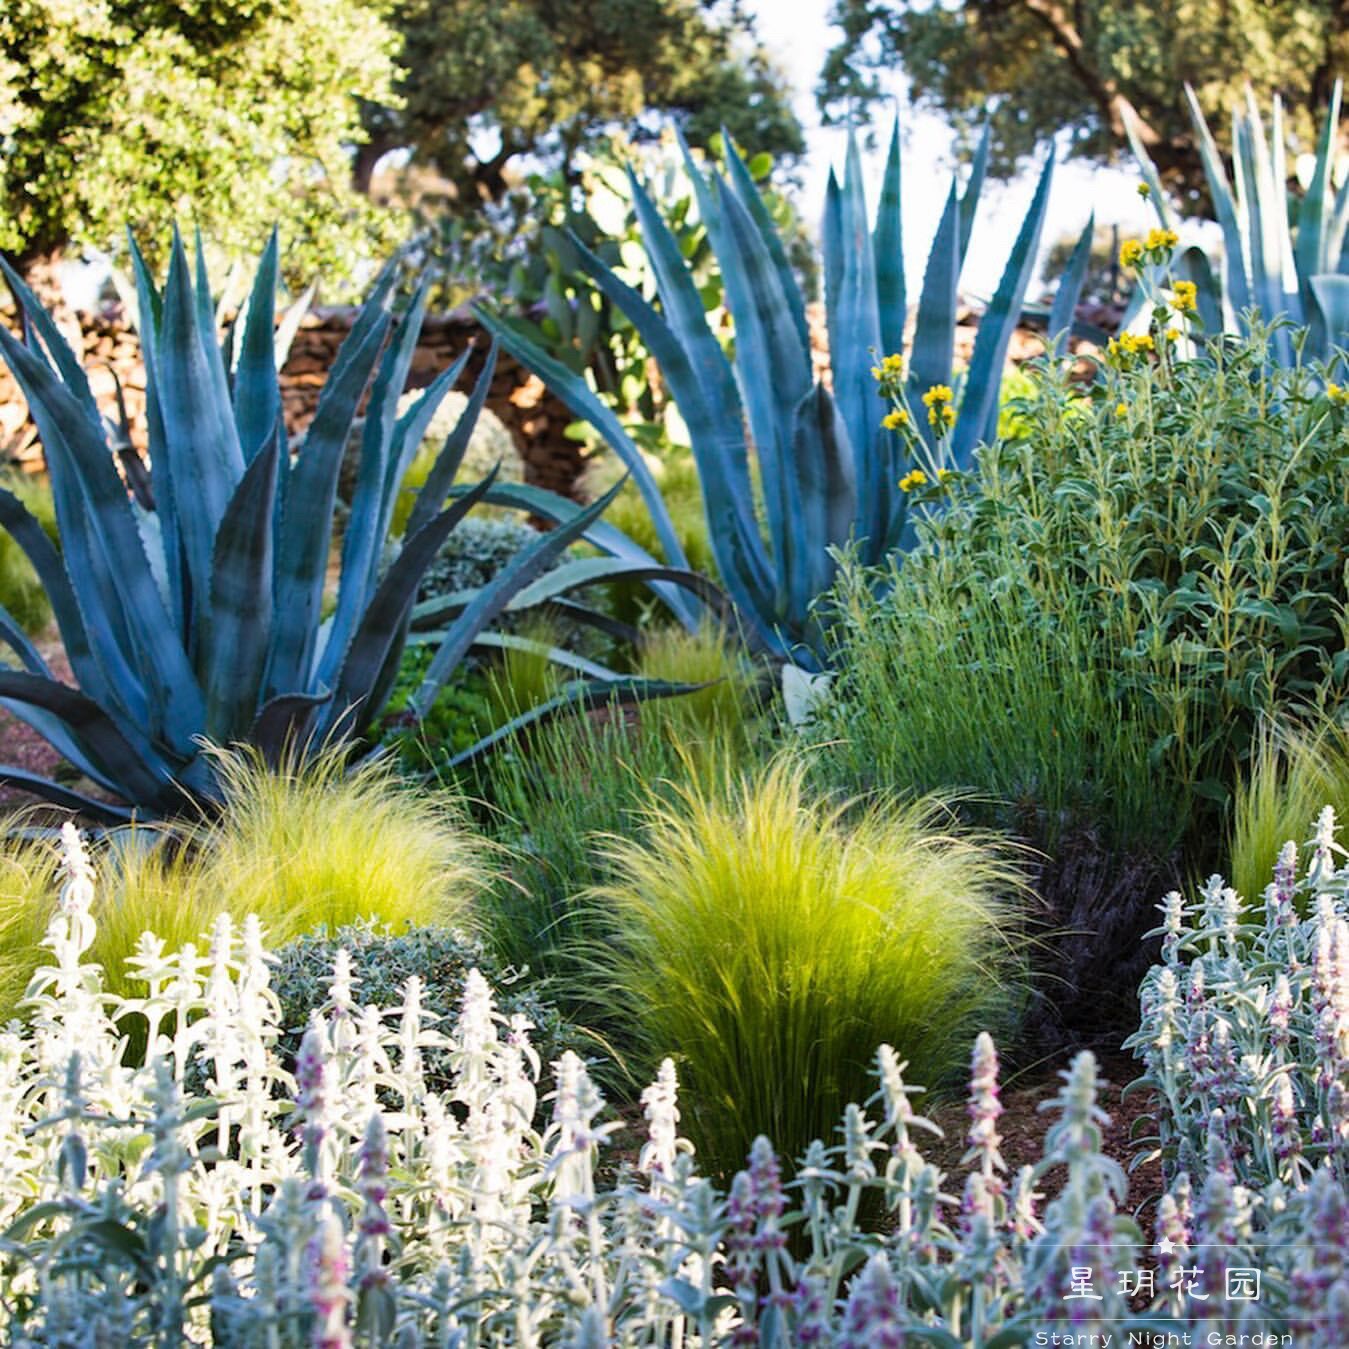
(213,1191)
(191,596)
(829,460)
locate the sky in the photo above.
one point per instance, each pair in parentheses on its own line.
(798,33)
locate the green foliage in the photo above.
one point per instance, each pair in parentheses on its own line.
(1265,277)
(1167,547)
(564,785)
(828,469)
(547,81)
(21,594)
(124,111)
(204,617)
(312,846)
(769,945)
(1068,71)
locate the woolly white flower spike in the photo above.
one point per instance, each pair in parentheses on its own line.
(661,1108)
(1324,848)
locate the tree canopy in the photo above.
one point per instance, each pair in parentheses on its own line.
(488,82)
(1046,66)
(231,114)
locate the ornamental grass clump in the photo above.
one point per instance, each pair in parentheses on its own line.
(205,1194)
(770,941)
(311,846)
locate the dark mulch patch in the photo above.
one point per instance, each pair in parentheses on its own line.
(20,745)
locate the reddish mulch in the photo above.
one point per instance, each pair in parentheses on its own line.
(22,747)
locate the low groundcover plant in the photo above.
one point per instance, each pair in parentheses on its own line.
(348,1204)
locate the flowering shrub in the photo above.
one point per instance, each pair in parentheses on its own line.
(1245,1026)
(350,1205)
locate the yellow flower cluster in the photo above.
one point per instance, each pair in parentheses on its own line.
(1144,191)
(1184,297)
(890,368)
(940,413)
(1130,344)
(893,421)
(913,478)
(1155,248)
(1337,394)
(1121,410)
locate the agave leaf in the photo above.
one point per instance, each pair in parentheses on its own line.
(290,324)
(98,529)
(969,199)
(149,316)
(772,368)
(579,397)
(747,192)
(1151,177)
(58,349)
(978,418)
(136,767)
(558,655)
(1235,244)
(577,698)
(412,426)
(46,561)
(385,621)
(1064,310)
(307,508)
(257,394)
(1193,265)
(285,724)
(699,376)
(65,797)
(523,568)
(888,251)
(823,499)
(934,335)
(206,463)
(373,498)
(217,362)
(1314,228)
(1330,319)
(237,639)
(570,576)
(854,346)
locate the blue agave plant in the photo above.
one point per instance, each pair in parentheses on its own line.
(192,609)
(828,470)
(1281,263)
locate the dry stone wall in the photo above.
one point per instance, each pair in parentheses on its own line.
(534,417)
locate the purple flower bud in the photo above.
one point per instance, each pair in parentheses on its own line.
(873,1318)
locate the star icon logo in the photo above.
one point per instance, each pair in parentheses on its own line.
(1165,1246)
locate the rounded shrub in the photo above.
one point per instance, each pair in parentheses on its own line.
(771,942)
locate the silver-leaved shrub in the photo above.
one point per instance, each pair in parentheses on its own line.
(342,1202)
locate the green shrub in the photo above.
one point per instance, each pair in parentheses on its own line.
(21,593)
(1094,630)
(769,944)
(381,961)
(473,554)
